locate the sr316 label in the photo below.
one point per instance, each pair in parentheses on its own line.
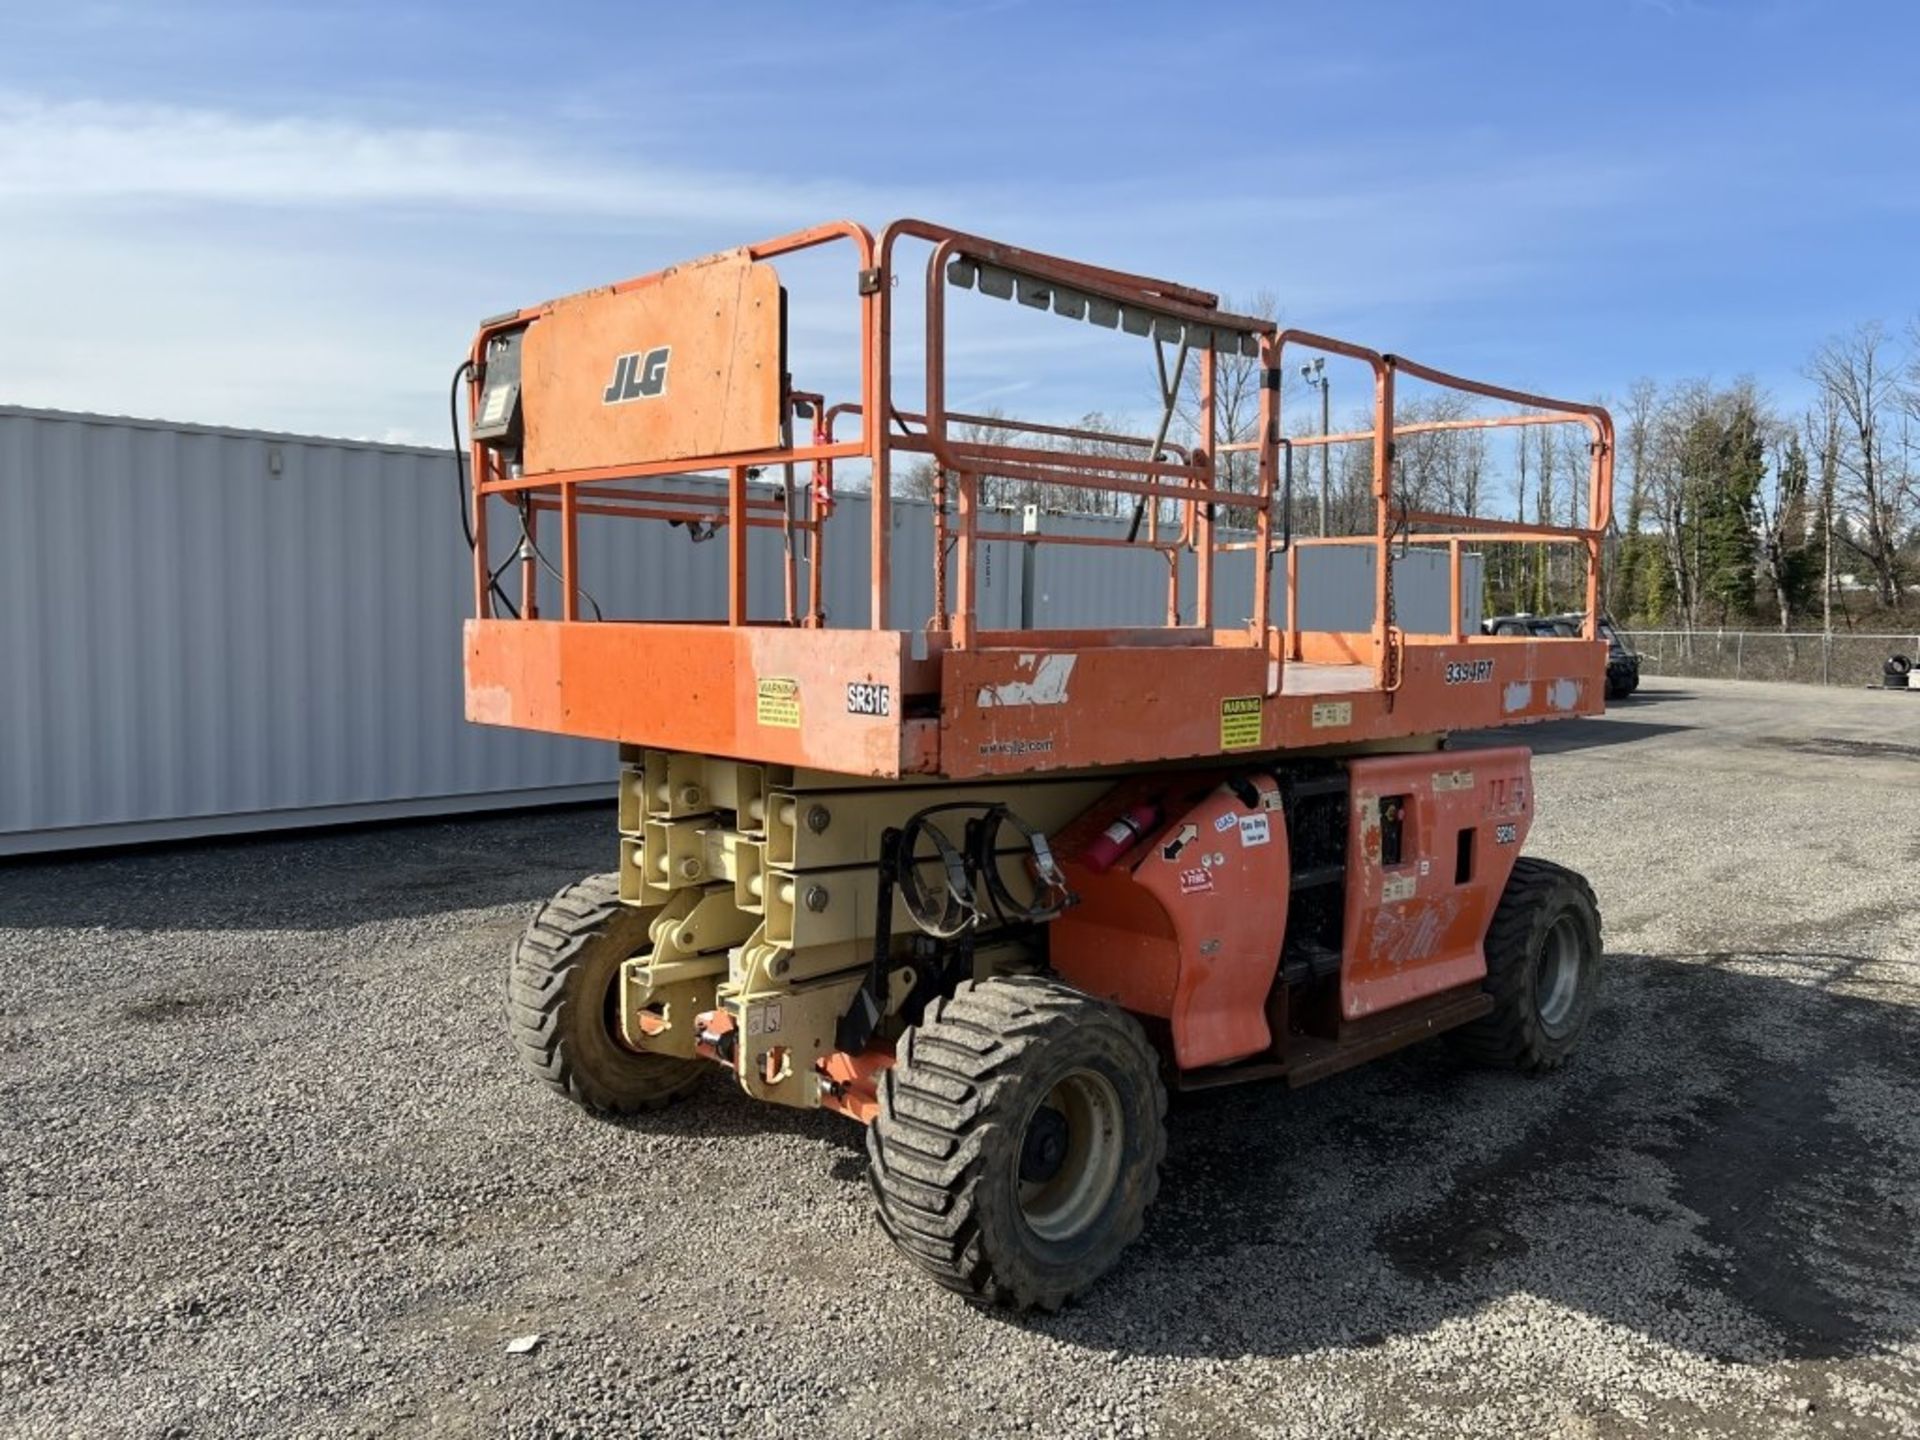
(864,698)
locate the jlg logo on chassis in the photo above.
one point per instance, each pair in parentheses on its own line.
(638,376)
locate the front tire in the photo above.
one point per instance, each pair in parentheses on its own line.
(1543,969)
(563,999)
(1019,1141)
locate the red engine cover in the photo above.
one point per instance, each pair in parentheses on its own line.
(1187,926)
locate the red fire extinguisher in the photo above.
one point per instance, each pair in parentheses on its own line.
(1121,836)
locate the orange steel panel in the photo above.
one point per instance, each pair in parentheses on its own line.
(1005,711)
(1415,927)
(719,382)
(753,693)
(780,694)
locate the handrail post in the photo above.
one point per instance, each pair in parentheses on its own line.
(1454,590)
(876,316)
(1203,530)
(1264,482)
(1383,521)
(482,555)
(963,618)
(1293,602)
(737,545)
(569,553)
(529,573)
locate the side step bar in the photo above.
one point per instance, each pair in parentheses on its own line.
(1310,1058)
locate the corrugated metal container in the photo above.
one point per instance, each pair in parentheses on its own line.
(212,630)
(208,630)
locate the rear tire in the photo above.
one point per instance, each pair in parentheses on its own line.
(562,1003)
(1543,969)
(1019,1141)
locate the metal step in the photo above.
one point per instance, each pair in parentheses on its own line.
(1321,875)
(1314,785)
(1313,1059)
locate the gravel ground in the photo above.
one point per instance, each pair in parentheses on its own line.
(267,1166)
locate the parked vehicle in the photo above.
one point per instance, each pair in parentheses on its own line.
(1623,665)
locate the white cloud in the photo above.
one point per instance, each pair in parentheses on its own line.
(321,273)
(78,152)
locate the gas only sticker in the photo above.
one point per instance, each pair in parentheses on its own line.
(1223,823)
(864,698)
(1242,723)
(777,703)
(1253,830)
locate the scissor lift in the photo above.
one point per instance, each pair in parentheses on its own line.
(952,880)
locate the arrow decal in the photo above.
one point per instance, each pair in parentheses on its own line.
(1171,850)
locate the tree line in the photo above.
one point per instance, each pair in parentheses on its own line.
(1734,511)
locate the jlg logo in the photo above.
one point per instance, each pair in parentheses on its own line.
(638,376)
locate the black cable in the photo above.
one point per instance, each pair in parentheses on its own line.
(526,537)
(460,373)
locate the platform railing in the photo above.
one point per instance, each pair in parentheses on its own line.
(1396,524)
(1153,471)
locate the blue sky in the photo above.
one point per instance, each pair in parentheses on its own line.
(290,215)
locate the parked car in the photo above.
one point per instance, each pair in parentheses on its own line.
(1623,665)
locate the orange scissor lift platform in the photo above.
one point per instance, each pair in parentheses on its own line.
(611,402)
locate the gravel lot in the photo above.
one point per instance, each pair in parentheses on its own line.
(267,1166)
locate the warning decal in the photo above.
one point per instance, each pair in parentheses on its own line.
(777,703)
(1242,723)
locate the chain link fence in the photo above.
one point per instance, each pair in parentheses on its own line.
(1810,657)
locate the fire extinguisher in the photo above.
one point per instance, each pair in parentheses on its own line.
(1121,836)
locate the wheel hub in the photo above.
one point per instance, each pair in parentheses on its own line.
(1045,1148)
(1070,1155)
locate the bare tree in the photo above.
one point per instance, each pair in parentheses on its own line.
(1781,512)
(1855,374)
(1440,469)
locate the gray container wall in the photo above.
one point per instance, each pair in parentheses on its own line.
(205,630)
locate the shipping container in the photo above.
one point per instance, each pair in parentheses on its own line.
(206,630)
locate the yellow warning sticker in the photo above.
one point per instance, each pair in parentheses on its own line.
(1242,723)
(777,703)
(1329,713)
